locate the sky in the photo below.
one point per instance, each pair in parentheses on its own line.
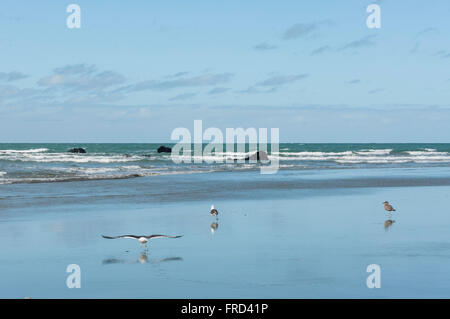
(137,70)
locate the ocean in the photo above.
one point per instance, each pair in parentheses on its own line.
(34,163)
(309,231)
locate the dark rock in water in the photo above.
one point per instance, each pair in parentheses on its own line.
(77,150)
(164,149)
(258,156)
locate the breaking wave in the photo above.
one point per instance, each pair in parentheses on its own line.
(48,164)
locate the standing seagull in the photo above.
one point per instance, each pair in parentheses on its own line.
(388,207)
(213,211)
(142,239)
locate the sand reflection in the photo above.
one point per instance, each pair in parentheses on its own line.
(388,223)
(214,227)
(142,259)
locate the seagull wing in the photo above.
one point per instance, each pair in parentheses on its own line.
(122,236)
(161,236)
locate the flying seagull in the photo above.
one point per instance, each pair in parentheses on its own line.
(142,239)
(213,211)
(388,207)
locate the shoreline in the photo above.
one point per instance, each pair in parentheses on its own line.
(240,185)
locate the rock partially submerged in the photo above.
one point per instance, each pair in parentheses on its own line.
(77,150)
(258,156)
(164,149)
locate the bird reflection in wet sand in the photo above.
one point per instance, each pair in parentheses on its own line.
(143,259)
(388,223)
(214,227)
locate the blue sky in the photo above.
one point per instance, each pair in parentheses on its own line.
(135,71)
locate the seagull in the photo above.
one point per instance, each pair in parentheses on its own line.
(388,207)
(142,239)
(213,211)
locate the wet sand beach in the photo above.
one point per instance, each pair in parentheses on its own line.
(269,241)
